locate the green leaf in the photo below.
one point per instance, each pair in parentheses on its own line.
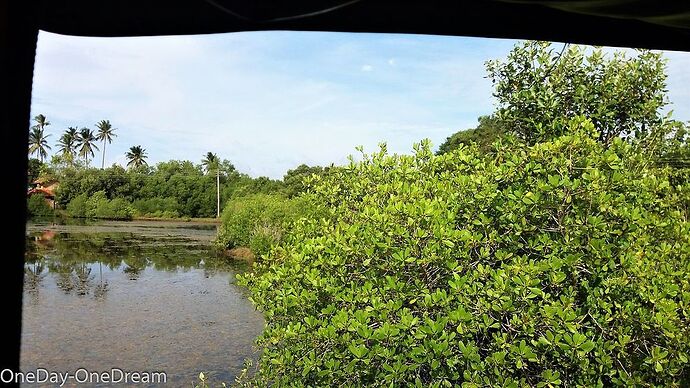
(587,346)
(358,351)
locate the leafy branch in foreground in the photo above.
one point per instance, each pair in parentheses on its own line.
(562,263)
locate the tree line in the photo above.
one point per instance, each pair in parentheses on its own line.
(170,189)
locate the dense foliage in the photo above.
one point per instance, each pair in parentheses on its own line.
(161,207)
(674,149)
(539,89)
(99,206)
(33,170)
(294,179)
(169,189)
(258,221)
(562,263)
(484,135)
(36,206)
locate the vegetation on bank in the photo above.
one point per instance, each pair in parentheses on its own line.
(173,189)
(99,206)
(168,190)
(556,256)
(260,221)
(36,206)
(565,262)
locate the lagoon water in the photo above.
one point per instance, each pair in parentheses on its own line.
(137,296)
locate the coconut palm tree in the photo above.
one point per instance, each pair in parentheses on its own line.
(86,142)
(106,132)
(41,121)
(38,142)
(68,143)
(212,164)
(136,156)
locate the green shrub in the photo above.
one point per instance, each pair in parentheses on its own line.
(115,209)
(78,206)
(163,207)
(258,221)
(164,214)
(99,206)
(294,180)
(96,200)
(563,263)
(264,236)
(37,206)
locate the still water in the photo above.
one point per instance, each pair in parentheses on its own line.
(138,296)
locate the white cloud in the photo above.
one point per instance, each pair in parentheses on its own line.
(367,68)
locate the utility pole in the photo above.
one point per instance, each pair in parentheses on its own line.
(218,192)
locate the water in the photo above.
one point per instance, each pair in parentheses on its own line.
(138,296)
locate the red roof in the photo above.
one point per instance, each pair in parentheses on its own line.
(42,191)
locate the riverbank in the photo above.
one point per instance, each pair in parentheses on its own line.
(179,219)
(193,229)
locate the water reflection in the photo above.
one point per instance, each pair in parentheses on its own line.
(134,295)
(33,277)
(73,256)
(102,287)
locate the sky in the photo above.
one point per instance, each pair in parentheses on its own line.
(270,101)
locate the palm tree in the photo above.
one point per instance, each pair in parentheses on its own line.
(38,143)
(137,156)
(212,163)
(37,138)
(106,132)
(68,142)
(41,121)
(86,142)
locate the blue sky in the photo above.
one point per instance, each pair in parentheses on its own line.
(269,101)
